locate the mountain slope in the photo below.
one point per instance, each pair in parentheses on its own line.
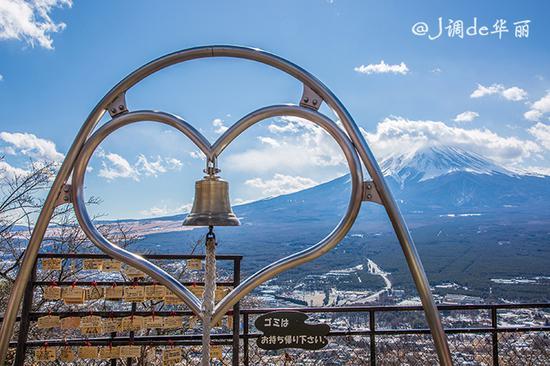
(432,181)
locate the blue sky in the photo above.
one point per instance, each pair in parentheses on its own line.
(407,92)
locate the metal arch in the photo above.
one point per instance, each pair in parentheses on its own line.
(397,220)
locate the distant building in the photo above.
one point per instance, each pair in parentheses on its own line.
(462,299)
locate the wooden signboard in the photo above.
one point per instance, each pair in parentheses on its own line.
(287,329)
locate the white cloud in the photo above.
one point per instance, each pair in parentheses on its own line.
(269,141)
(398,134)
(382,68)
(115,166)
(30,21)
(219,126)
(482,91)
(300,145)
(467,116)
(538,170)
(8,171)
(1,77)
(542,133)
(197,155)
(165,210)
(240,201)
(514,93)
(533,115)
(538,108)
(150,168)
(30,145)
(281,184)
(437,70)
(290,126)
(173,164)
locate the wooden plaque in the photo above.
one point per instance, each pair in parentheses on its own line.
(114,293)
(88,352)
(67,354)
(134,293)
(73,295)
(51,264)
(52,293)
(45,354)
(130,351)
(194,264)
(92,264)
(111,265)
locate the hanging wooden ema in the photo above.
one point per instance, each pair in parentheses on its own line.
(287,329)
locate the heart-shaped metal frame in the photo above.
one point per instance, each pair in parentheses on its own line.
(212,152)
(351,141)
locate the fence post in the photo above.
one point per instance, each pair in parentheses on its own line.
(113,360)
(245,339)
(372,324)
(24,323)
(236,312)
(494,325)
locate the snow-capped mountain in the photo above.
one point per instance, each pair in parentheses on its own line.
(433,181)
(431,162)
(439,180)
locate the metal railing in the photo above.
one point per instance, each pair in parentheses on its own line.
(381,335)
(30,314)
(498,334)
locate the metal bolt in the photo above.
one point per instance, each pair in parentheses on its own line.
(306,99)
(369,196)
(369,186)
(121,107)
(66,198)
(66,188)
(113,110)
(314,101)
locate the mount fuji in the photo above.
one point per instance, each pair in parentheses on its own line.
(434,180)
(430,185)
(429,163)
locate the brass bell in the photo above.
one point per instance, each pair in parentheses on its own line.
(211,206)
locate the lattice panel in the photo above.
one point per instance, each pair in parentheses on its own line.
(529,349)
